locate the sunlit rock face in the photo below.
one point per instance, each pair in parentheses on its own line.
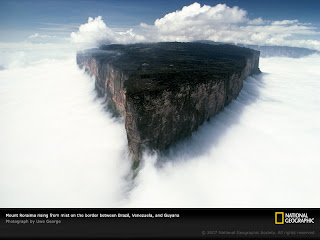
(165,91)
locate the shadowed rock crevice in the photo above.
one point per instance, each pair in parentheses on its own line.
(165,91)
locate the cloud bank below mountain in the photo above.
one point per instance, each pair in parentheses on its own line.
(60,148)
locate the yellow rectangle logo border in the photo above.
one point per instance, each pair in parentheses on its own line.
(276,217)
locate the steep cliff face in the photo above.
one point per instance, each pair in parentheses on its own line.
(165,91)
(108,80)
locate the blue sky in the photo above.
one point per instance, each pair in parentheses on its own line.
(22,15)
(22,18)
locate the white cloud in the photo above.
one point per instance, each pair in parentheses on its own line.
(95,32)
(37,35)
(256,21)
(224,24)
(44,38)
(195,22)
(52,129)
(26,53)
(34,35)
(285,22)
(194,14)
(58,146)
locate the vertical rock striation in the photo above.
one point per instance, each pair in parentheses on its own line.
(165,91)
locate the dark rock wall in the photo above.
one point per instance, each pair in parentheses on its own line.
(108,81)
(156,119)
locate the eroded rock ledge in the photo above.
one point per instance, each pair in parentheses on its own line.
(166,90)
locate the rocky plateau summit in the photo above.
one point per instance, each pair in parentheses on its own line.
(165,91)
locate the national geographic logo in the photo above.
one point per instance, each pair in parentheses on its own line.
(292,218)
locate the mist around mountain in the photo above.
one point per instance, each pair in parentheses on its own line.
(281,51)
(272,51)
